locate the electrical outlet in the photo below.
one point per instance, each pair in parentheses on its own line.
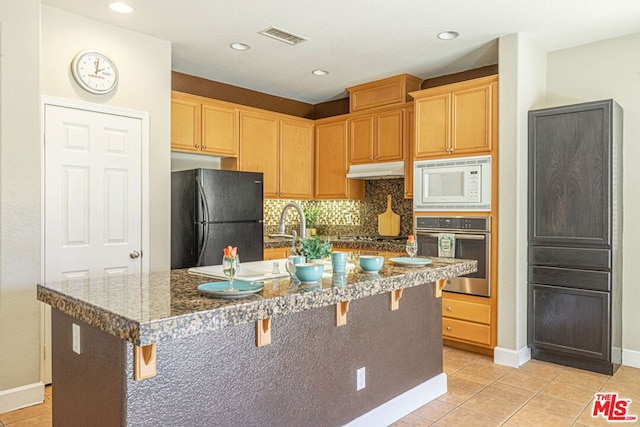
(75,329)
(348,219)
(360,379)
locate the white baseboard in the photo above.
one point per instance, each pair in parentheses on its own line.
(508,357)
(631,358)
(400,406)
(21,397)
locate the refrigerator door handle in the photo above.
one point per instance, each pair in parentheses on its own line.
(203,248)
(203,201)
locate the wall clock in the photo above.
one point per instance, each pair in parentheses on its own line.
(94,72)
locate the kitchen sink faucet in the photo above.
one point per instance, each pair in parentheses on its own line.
(303,222)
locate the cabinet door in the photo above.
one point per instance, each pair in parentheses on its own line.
(569,170)
(185,123)
(219,129)
(472,115)
(433,126)
(570,321)
(259,148)
(331,160)
(389,137)
(361,134)
(296,159)
(409,141)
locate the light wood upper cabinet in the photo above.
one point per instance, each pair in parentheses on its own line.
(202,125)
(259,151)
(219,129)
(296,159)
(282,149)
(457,119)
(185,122)
(331,161)
(376,137)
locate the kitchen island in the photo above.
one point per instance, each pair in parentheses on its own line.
(149,350)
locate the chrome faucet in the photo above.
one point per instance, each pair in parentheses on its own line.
(303,222)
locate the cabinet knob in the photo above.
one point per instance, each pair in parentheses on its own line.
(377,157)
(197,145)
(370,158)
(204,147)
(448,328)
(448,308)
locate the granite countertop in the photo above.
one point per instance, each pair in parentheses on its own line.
(156,307)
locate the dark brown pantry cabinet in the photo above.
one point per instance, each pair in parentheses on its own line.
(575,235)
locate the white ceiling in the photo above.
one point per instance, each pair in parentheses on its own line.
(357,41)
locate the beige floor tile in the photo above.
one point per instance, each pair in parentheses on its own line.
(567,391)
(434,410)
(525,380)
(464,417)
(41,420)
(541,369)
(481,372)
(591,381)
(508,392)
(451,366)
(412,421)
(8,418)
(461,355)
(492,406)
(547,410)
(530,417)
(459,390)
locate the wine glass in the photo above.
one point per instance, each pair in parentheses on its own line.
(412,249)
(230,266)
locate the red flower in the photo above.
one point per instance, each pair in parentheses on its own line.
(230,251)
(410,238)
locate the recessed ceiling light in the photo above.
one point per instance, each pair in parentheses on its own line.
(319,72)
(121,7)
(448,35)
(239,46)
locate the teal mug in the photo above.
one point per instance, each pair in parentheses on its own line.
(292,261)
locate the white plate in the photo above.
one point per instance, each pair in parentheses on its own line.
(221,289)
(411,262)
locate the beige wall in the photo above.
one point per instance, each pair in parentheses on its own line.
(529,79)
(522,70)
(38,44)
(19,195)
(144,65)
(603,70)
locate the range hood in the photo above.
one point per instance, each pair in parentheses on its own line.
(377,171)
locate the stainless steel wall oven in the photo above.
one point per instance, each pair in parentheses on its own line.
(472,241)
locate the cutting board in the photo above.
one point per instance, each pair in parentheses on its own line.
(389,221)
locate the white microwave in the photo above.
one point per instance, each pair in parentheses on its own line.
(455,184)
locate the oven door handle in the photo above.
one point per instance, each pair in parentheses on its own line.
(458,236)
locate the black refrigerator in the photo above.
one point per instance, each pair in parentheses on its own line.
(212,209)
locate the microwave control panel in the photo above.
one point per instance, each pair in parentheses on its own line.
(454,223)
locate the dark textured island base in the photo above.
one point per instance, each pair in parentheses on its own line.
(305,377)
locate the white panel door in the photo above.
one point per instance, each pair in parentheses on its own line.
(92,194)
(92,200)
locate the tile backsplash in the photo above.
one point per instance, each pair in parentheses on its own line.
(347,217)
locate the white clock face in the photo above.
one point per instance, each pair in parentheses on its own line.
(94,72)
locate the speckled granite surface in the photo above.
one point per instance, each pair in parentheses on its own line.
(152,308)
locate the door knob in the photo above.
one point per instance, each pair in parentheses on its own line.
(134,254)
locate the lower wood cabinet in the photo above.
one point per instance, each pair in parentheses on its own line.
(275,253)
(466,321)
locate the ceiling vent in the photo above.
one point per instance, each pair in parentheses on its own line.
(283,36)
